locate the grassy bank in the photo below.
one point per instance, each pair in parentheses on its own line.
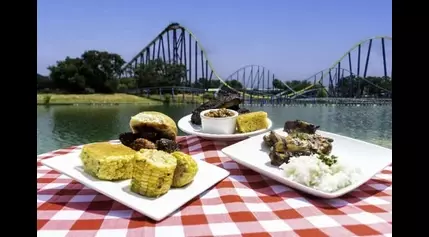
(69,99)
(52,99)
(179,98)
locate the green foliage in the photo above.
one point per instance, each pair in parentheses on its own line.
(156,73)
(294,84)
(122,88)
(353,86)
(129,82)
(208,96)
(214,83)
(350,86)
(298,85)
(203,83)
(235,84)
(44,83)
(46,99)
(167,99)
(321,93)
(97,70)
(89,91)
(277,84)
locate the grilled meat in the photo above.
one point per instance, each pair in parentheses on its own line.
(271,138)
(167,145)
(300,126)
(296,144)
(141,143)
(243,111)
(230,102)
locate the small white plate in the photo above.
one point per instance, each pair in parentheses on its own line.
(186,126)
(156,209)
(370,158)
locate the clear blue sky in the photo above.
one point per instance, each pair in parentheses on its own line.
(293,38)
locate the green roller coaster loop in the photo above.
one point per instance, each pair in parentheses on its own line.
(178,26)
(210,63)
(339,60)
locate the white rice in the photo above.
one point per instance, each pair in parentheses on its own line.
(312,172)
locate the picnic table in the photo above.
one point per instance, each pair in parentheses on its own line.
(244,204)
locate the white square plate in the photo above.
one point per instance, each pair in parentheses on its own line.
(370,158)
(156,209)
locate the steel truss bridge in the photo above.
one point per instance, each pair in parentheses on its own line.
(178,45)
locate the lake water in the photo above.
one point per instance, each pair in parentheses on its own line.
(63,126)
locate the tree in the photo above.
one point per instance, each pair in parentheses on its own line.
(298,85)
(277,84)
(66,75)
(174,74)
(203,83)
(321,92)
(97,70)
(235,84)
(43,82)
(352,86)
(294,84)
(127,83)
(157,73)
(214,83)
(101,69)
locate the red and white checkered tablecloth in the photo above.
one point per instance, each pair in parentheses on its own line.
(244,204)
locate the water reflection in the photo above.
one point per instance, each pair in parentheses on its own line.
(62,126)
(75,123)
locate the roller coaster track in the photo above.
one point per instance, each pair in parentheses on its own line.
(254,74)
(333,79)
(358,46)
(177,53)
(171,46)
(313,77)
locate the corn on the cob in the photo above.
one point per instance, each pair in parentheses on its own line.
(185,171)
(153,172)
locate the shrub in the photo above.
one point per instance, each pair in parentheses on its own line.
(46,99)
(130,82)
(89,90)
(122,88)
(208,96)
(321,93)
(167,99)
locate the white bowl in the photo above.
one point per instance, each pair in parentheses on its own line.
(225,125)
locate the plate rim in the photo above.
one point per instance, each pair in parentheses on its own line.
(223,173)
(222,136)
(295,185)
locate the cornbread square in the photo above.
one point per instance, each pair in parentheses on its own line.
(253,121)
(108,161)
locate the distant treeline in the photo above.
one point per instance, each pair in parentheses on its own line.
(98,71)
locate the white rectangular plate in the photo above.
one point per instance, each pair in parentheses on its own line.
(156,209)
(370,158)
